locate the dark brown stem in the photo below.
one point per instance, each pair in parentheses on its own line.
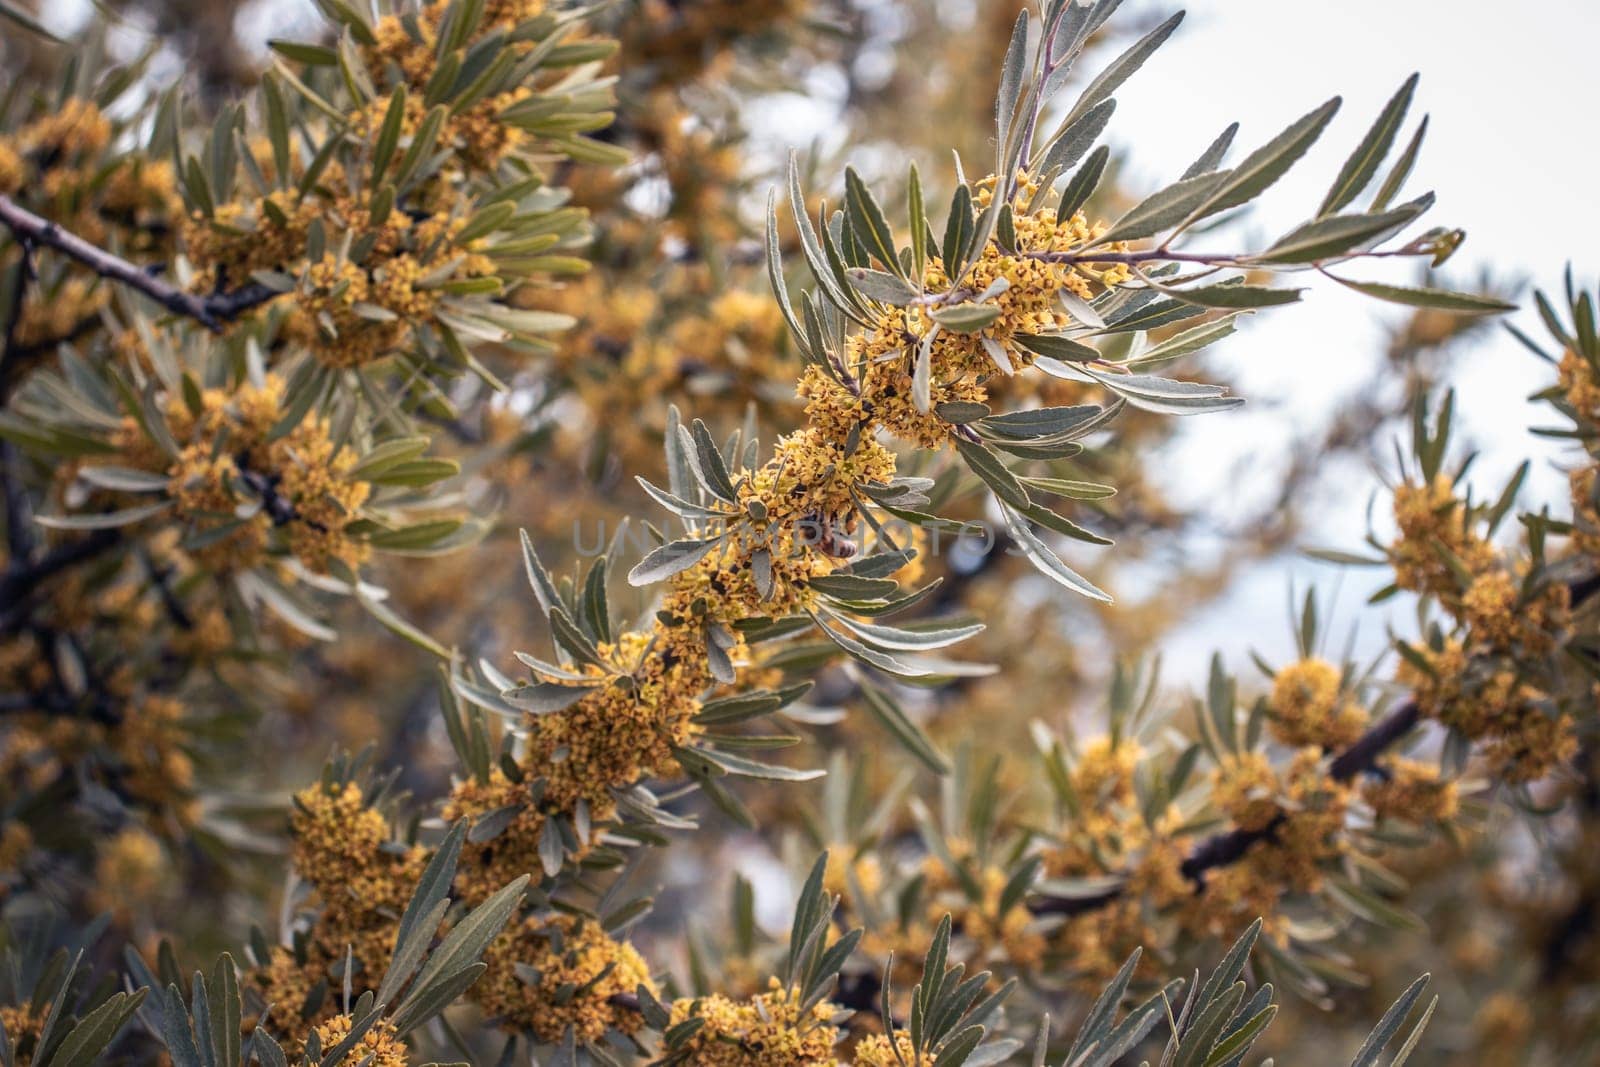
(210,311)
(1231,846)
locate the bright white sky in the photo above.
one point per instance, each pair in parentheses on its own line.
(1509,157)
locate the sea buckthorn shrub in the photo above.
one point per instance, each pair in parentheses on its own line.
(259,360)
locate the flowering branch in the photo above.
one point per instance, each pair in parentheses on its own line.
(1230,846)
(210,311)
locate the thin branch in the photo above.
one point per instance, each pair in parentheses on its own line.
(210,311)
(1231,846)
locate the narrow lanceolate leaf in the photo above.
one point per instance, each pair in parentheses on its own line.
(1341,235)
(966,318)
(958,229)
(1236,297)
(1076,192)
(1402,169)
(1056,347)
(1012,71)
(1439,299)
(1074,141)
(1214,154)
(541,698)
(1166,396)
(1122,68)
(893,719)
(1364,162)
(1164,208)
(883,287)
(711,463)
(1372,1049)
(670,559)
(1047,561)
(868,221)
(922,371)
(918,213)
(892,637)
(1263,167)
(988,466)
(1039,422)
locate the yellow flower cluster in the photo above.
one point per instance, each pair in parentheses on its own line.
(875,1051)
(1579,383)
(380,1046)
(23,1024)
(1109,835)
(302,471)
(767,1030)
(625,729)
(409,48)
(1500,619)
(1525,737)
(343,848)
(1412,790)
(59,163)
(1308,707)
(582,971)
(1431,518)
(962,368)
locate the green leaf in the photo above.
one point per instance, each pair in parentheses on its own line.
(989,467)
(1339,235)
(1363,163)
(1047,561)
(1389,1025)
(868,222)
(1122,68)
(540,698)
(671,558)
(1402,169)
(1236,297)
(1058,347)
(882,287)
(966,317)
(83,1045)
(1263,167)
(1164,208)
(1439,299)
(1076,193)
(893,718)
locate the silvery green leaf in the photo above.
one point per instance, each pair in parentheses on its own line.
(677,505)
(1364,162)
(895,639)
(1083,183)
(1402,169)
(1439,299)
(883,287)
(1234,296)
(967,317)
(1012,71)
(711,464)
(867,221)
(1263,167)
(1039,422)
(671,558)
(125,479)
(1165,395)
(1047,561)
(1058,347)
(1340,235)
(1075,140)
(997,355)
(1122,68)
(922,371)
(1080,309)
(988,466)
(541,698)
(107,520)
(1214,154)
(1183,344)
(1164,208)
(750,768)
